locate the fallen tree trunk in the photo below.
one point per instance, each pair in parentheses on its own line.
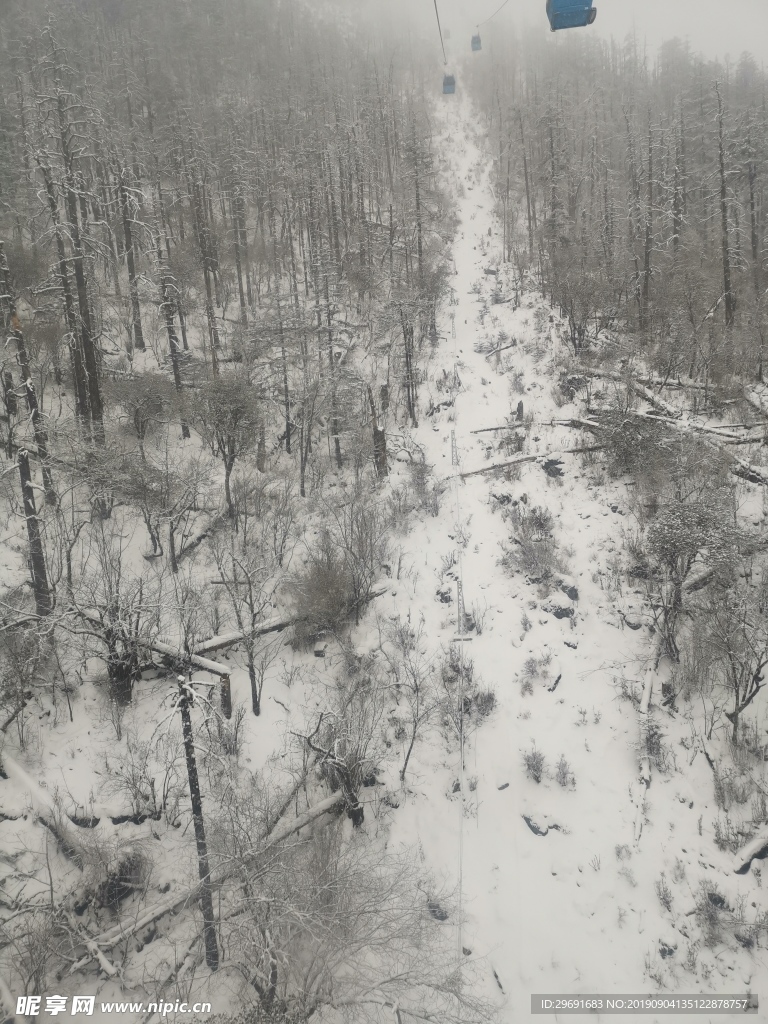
(217,643)
(521,459)
(639,389)
(741,468)
(488,430)
(111,937)
(744,857)
(700,581)
(578,424)
(46,812)
(756,400)
(216,668)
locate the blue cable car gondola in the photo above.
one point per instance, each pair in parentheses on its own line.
(449,83)
(570,13)
(476,44)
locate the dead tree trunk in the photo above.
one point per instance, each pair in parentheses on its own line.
(38,571)
(206,897)
(41,435)
(379,440)
(332,372)
(167,305)
(730,301)
(90,358)
(527,188)
(80,380)
(138,333)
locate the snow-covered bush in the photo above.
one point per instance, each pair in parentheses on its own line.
(321,592)
(563,773)
(663,892)
(533,550)
(535,763)
(710,909)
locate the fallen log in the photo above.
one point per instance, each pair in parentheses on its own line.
(216,668)
(274,625)
(46,812)
(578,424)
(675,384)
(488,430)
(741,468)
(116,934)
(521,459)
(754,848)
(640,389)
(700,581)
(496,351)
(217,643)
(95,953)
(700,428)
(756,400)
(8,1003)
(743,440)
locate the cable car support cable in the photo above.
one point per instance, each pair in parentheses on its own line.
(494,14)
(439,29)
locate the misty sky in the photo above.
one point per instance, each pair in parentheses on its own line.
(714,27)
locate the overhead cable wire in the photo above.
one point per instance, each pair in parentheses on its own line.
(494,14)
(439,29)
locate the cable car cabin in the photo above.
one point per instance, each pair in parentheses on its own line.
(449,83)
(570,13)
(476,44)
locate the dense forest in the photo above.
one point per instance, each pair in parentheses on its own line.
(223,253)
(232,251)
(637,182)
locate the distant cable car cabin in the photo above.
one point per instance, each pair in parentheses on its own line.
(570,13)
(476,44)
(449,83)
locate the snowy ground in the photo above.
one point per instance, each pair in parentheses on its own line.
(574,910)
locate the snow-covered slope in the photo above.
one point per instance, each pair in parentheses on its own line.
(558,882)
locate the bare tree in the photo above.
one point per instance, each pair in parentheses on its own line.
(680,533)
(332,926)
(228,415)
(731,628)
(414,682)
(249,583)
(116,610)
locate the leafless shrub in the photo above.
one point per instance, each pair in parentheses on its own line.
(427,490)
(321,592)
(125,876)
(663,892)
(32,946)
(710,909)
(532,549)
(414,680)
(563,773)
(484,703)
(628,875)
(534,762)
(228,732)
(729,835)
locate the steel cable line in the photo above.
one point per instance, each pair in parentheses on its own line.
(439,29)
(494,14)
